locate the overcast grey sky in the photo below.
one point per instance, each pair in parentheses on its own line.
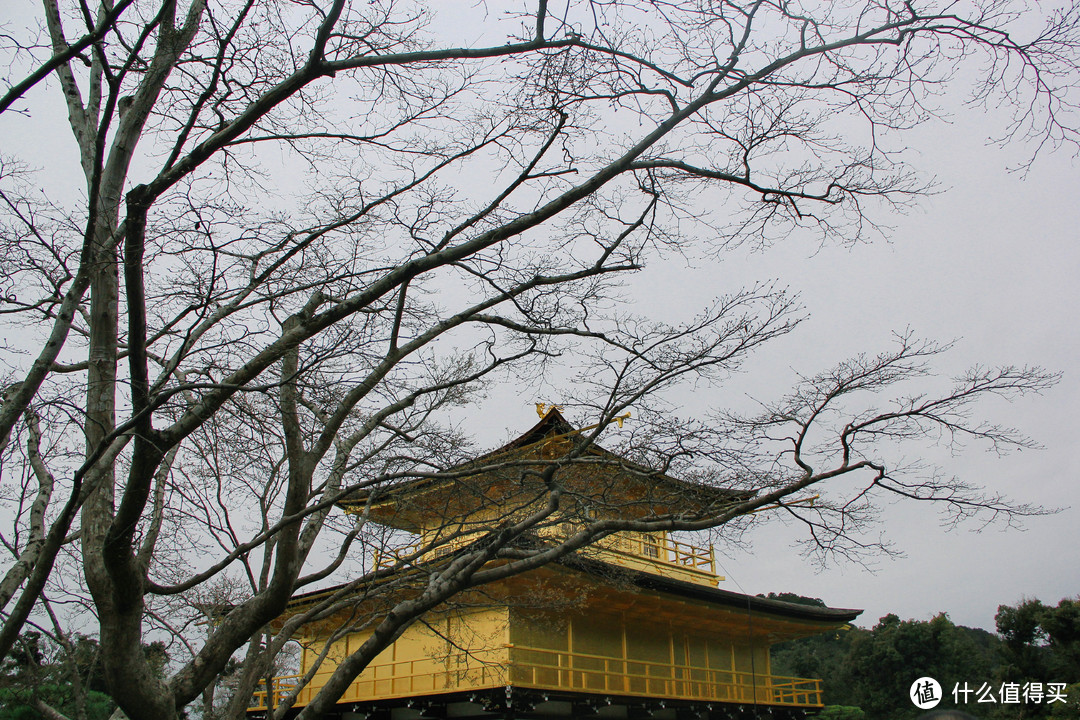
(991,261)
(994,262)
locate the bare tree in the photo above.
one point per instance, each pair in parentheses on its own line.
(242,341)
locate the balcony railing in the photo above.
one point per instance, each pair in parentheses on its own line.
(386,559)
(653,550)
(557,670)
(666,551)
(476,669)
(540,669)
(280,686)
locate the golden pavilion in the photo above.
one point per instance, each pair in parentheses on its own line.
(633,626)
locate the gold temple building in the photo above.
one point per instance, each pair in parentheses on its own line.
(633,626)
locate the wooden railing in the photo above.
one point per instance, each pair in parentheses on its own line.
(541,669)
(402,678)
(557,670)
(280,686)
(700,557)
(386,559)
(659,555)
(663,551)
(666,551)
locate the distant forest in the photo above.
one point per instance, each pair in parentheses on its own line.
(1020,672)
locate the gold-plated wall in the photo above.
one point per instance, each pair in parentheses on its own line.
(643,650)
(621,655)
(566,650)
(443,654)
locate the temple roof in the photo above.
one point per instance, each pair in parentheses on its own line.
(550,441)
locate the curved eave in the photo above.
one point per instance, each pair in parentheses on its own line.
(714,596)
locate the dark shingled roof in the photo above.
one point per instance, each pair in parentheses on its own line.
(712,595)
